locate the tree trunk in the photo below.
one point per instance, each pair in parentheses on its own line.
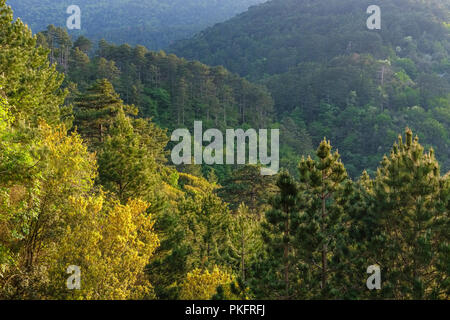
(324,247)
(286,261)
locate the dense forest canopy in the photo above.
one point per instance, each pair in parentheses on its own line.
(326,70)
(152,23)
(86,182)
(279,34)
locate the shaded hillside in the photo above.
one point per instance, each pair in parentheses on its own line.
(274,36)
(154,24)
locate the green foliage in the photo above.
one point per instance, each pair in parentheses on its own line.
(247,185)
(315,55)
(260,41)
(95,110)
(127,159)
(140,229)
(276,272)
(246,240)
(33,86)
(411,240)
(321,232)
(150,23)
(176,92)
(195,234)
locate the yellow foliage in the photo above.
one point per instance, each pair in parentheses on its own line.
(202,284)
(68,162)
(47,168)
(194,185)
(111,247)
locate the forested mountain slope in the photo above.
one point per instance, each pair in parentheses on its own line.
(274,36)
(86,186)
(152,23)
(172,91)
(327,70)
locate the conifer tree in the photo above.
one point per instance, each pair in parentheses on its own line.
(246,184)
(128,160)
(411,241)
(33,86)
(208,222)
(83,43)
(194,232)
(277,270)
(245,236)
(321,233)
(95,110)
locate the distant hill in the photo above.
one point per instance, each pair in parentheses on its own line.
(274,36)
(328,72)
(152,23)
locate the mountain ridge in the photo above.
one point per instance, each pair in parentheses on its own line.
(148,22)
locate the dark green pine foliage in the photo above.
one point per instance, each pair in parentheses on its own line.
(245,238)
(170,263)
(196,235)
(127,159)
(361,222)
(83,43)
(247,185)
(411,223)
(321,235)
(277,276)
(95,110)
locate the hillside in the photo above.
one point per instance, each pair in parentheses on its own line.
(93,205)
(172,91)
(274,36)
(326,69)
(154,24)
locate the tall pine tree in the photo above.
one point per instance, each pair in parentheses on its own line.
(321,234)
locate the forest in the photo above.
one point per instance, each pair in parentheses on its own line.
(333,77)
(86,178)
(154,24)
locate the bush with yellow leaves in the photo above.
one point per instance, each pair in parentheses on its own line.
(204,285)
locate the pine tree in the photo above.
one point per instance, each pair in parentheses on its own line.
(83,43)
(33,86)
(127,159)
(195,233)
(245,239)
(321,234)
(411,240)
(95,110)
(275,274)
(247,185)
(208,221)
